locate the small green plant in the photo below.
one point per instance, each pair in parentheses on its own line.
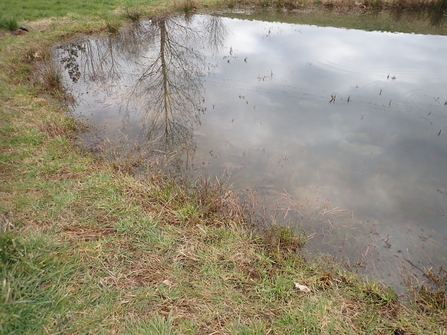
(282,239)
(188,214)
(8,24)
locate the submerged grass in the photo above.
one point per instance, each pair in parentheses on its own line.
(86,247)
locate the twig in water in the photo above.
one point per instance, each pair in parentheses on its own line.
(413,265)
(445,238)
(366,250)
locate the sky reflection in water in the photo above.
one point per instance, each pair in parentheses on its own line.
(253,98)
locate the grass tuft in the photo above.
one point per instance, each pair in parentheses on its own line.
(430,300)
(281,239)
(43,72)
(113,27)
(133,14)
(187,6)
(9,24)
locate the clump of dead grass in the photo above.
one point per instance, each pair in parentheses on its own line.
(280,240)
(40,69)
(428,293)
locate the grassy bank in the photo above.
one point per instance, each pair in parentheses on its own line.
(104,9)
(85,247)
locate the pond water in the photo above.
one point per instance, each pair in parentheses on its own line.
(342,131)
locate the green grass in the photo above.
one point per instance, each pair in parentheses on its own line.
(155,325)
(33,10)
(85,247)
(8,23)
(36,275)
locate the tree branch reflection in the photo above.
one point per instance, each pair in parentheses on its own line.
(154,70)
(217,32)
(168,92)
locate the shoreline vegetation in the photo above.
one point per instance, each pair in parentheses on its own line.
(88,247)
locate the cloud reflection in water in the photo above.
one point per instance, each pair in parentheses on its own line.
(253,97)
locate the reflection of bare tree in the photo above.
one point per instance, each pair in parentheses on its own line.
(132,41)
(157,67)
(98,61)
(438,13)
(435,14)
(217,32)
(169,90)
(94,63)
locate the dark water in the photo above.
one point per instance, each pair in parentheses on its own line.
(342,131)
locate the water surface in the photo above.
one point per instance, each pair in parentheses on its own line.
(342,131)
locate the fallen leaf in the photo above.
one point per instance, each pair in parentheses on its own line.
(303,288)
(167,282)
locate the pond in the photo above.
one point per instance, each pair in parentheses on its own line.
(342,131)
